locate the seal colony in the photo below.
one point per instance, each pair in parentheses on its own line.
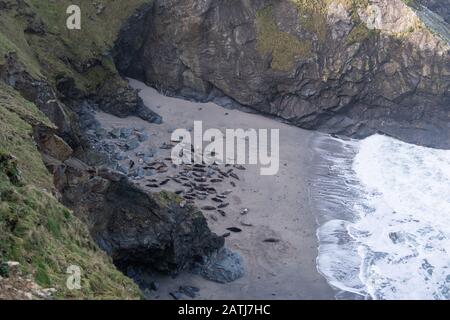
(269,231)
(235,147)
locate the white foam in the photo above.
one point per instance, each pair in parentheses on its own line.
(397,245)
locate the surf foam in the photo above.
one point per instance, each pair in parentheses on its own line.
(385,218)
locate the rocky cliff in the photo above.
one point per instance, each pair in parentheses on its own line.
(60,199)
(341,66)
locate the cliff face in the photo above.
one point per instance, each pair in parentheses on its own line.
(342,66)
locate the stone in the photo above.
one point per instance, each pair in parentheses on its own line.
(176,295)
(55,147)
(223,266)
(142,137)
(121,168)
(138,173)
(132,144)
(154,286)
(101,133)
(125,133)
(244,211)
(120,156)
(189,291)
(115,133)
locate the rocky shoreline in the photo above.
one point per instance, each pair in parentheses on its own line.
(118,175)
(143,227)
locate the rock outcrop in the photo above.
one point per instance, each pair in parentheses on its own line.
(346,67)
(133,226)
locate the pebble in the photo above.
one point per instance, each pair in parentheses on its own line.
(115,133)
(165,146)
(132,144)
(120,156)
(142,137)
(125,133)
(176,295)
(154,286)
(189,291)
(245,211)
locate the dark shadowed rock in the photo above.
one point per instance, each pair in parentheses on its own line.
(136,227)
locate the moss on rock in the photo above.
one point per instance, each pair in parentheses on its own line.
(283,46)
(80,54)
(313,14)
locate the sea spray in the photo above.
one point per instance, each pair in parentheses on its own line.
(384,218)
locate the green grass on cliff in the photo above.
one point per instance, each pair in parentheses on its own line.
(313,14)
(61,51)
(313,17)
(35,229)
(283,46)
(16,114)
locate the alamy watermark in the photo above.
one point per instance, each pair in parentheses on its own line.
(73,281)
(73,22)
(236,146)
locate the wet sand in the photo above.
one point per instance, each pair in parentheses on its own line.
(278,206)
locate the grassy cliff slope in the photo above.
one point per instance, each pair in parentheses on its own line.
(35,229)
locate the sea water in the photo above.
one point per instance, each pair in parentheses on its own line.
(384,216)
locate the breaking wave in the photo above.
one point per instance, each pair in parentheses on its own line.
(384,218)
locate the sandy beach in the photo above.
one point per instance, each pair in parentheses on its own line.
(277,206)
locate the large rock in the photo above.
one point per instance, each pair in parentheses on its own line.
(133,226)
(352,68)
(55,147)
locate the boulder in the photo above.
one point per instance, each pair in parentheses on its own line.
(223,266)
(56,147)
(133,226)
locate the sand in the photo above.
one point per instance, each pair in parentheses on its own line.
(278,206)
